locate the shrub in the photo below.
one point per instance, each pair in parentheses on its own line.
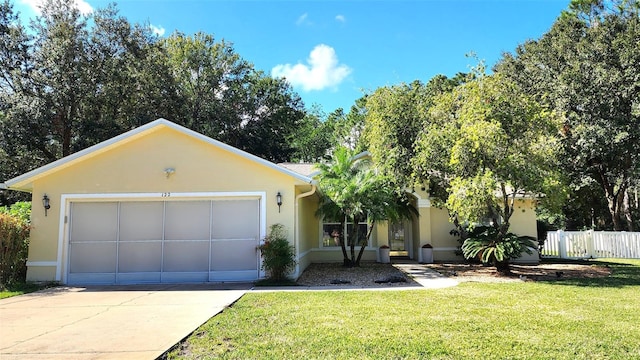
(278,257)
(14,244)
(486,244)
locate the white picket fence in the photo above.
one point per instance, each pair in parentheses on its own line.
(591,244)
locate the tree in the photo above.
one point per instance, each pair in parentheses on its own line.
(67,85)
(394,116)
(70,81)
(488,144)
(587,68)
(314,139)
(224,97)
(352,190)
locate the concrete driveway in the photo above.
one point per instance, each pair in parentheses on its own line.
(108,322)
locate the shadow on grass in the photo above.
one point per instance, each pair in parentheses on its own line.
(24,288)
(623,273)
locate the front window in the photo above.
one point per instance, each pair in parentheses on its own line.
(333,234)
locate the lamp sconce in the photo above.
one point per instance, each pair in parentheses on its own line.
(169,171)
(46,203)
(279,200)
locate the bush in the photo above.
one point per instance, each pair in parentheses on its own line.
(14,243)
(278,257)
(485,244)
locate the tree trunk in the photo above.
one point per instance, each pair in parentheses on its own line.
(365,244)
(626,210)
(614,200)
(503,267)
(346,262)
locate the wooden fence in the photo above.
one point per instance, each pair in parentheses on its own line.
(591,244)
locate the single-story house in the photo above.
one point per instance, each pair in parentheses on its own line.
(162,203)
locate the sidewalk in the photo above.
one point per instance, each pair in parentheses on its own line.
(424,276)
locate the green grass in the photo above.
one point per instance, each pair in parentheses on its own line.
(23,288)
(562,319)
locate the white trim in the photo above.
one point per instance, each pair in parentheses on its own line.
(66,199)
(42,263)
(21,182)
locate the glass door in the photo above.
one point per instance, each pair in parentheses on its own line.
(398,238)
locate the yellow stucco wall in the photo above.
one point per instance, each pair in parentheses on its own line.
(137,166)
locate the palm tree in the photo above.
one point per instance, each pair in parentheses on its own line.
(353,191)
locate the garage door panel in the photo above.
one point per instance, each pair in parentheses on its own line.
(187,220)
(141,220)
(238,219)
(234,255)
(92,257)
(168,241)
(186,256)
(94,221)
(143,256)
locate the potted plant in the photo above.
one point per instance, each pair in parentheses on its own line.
(427,254)
(383,254)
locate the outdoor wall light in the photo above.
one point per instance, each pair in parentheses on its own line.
(46,204)
(279,200)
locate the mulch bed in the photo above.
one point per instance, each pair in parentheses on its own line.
(541,272)
(376,275)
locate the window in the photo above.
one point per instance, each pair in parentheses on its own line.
(333,234)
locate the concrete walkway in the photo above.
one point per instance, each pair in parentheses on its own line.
(108,322)
(423,275)
(134,322)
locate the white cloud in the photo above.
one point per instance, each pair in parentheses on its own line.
(341,18)
(302,19)
(158,30)
(322,71)
(82,5)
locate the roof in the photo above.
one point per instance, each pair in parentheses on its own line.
(306,169)
(25,182)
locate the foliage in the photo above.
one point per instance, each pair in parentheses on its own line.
(593,318)
(586,68)
(314,138)
(488,144)
(351,189)
(20,210)
(278,257)
(394,117)
(14,242)
(485,244)
(222,96)
(70,80)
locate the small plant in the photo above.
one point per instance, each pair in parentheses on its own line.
(485,244)
(278,257)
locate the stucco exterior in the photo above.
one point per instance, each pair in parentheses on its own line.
(134,167)
(162,161)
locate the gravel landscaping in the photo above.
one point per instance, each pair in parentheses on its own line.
(369,274)
(372,274)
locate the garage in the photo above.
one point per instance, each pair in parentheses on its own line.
(163,241)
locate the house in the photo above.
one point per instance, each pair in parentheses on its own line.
(162,203)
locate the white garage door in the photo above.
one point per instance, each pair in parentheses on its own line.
(163,241)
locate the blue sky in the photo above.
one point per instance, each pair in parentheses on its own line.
(333,52)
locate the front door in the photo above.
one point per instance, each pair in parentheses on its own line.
(399,239)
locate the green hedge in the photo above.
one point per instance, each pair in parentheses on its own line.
(14,243)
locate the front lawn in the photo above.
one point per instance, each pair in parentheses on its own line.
(23,288)
(560,319)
